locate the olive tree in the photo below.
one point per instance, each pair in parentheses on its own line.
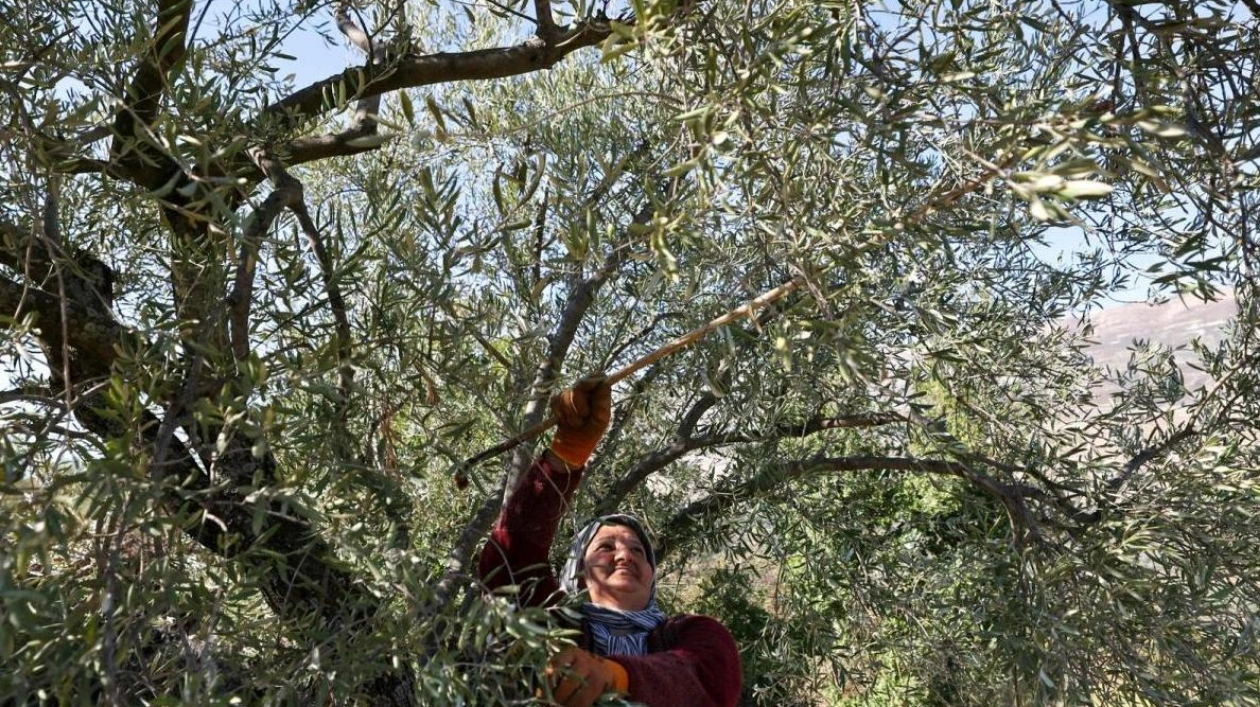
(255,329)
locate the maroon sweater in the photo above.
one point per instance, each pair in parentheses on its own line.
(700,669)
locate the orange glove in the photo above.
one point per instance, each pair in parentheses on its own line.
(578,678)
(583,412)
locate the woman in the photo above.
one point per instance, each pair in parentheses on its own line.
(628,646)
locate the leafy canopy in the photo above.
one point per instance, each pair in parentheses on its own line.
(252,328)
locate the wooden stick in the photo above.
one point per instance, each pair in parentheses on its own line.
(674,346)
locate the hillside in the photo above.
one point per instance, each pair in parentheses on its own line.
(1174,324)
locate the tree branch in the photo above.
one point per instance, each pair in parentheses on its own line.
(335,301)
(540,232)
(94,333)
(362,133)
(655,462)
(774,476)
(240,300)
(30,396)
(582,292)
(352,31)
(637,337)
(144,95)
(357,139)
(626,409)
(40,257)
(1149,455)
(299,574)
(645,467)
(680,446)
(546,23)
(291,196)
(412,71)
(811,426)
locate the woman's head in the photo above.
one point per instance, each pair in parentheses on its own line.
(613,560)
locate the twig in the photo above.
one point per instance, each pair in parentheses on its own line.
(668,349)
(634,339)
(685,443)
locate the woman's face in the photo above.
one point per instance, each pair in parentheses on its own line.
(618,574)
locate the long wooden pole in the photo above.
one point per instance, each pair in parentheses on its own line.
(674,346)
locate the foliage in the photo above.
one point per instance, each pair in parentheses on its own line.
(252,328)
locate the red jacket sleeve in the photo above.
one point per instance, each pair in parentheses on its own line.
(701,670)
(518,551)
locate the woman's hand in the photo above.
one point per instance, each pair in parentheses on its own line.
(578,678)
(582,413)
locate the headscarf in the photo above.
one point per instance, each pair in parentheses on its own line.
(613,632)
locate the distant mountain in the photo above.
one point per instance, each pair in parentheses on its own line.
(1173,323)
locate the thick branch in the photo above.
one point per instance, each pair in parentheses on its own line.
(412,71)
(546,23)
(645,467)
(352,31)
(94,333)
(298,571)
(360,135)
(357,139)
(661,458)
(26,253)
(774,476)
(460,558)
(299,574)
(144,95)
(687,427)
(17,254)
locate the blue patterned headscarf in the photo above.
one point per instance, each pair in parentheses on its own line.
(613,632)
